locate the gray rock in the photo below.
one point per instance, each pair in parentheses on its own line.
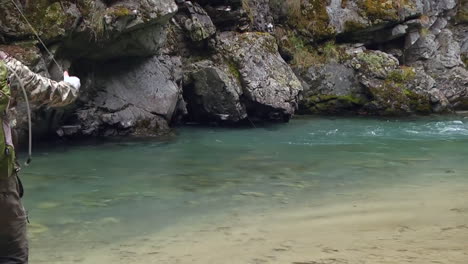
(259,15)
(330,79)
(196,21)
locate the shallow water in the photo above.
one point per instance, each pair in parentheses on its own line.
(85,197)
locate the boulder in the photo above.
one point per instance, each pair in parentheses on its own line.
(214,93)
(270,87)
(332,88)
(132,97)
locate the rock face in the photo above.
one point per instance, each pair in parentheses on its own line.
(147,64)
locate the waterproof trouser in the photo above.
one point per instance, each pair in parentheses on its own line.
(13,221)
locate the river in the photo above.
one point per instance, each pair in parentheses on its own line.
(313,191)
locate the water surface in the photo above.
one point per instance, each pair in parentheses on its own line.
(85,197)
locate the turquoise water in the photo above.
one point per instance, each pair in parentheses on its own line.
(86,195)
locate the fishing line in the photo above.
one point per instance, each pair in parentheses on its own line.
(37,35)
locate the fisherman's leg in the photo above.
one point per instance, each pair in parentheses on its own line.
(13,221)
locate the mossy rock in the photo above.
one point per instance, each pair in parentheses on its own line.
(49,18)
(383,10)
(375,63)
(419,103)
(331,104)
(402,75)
(353,26)
(310,17)
(394,98)
(301,54)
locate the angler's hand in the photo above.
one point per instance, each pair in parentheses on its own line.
(72,80)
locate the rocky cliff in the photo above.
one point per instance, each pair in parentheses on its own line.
(146,65)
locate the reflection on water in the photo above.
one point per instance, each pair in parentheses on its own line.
(83,196)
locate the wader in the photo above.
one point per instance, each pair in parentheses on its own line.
(13,219)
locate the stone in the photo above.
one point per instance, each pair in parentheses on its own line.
(270,87)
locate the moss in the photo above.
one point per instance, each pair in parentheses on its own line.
(352,26)
(418,103)
(309,17)
(462,13)
(402,75)
(234,70)
(464,58)
(331,104)
(119,11)
(396,99)
(377,10)
(48,18)
(372,61)
(391,98)
(97,24)
(248,10)
(330,51)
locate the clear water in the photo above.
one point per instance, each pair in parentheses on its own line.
(84,196)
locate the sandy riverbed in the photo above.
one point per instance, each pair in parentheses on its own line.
(418,225)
